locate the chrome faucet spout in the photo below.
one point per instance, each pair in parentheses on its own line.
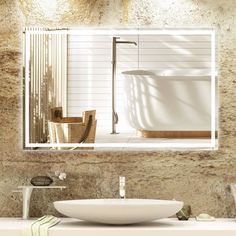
(127,42)
(122,187)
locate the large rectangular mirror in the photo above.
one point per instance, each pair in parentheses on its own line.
(120,88)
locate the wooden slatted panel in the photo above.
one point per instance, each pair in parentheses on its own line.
(48,81)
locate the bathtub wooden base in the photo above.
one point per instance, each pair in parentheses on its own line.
(174,134)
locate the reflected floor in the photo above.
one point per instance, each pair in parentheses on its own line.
(131,137)
(123,138)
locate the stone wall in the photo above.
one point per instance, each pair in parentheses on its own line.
(200,178)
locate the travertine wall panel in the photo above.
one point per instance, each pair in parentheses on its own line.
(197,177)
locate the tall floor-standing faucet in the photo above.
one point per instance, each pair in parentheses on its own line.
(115,117)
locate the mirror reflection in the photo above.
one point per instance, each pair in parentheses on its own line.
(95,88)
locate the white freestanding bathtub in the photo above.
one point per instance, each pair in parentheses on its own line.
(155,101)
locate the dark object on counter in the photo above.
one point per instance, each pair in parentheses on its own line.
(41,181)
(184,213)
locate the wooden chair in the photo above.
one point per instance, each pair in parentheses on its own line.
(72,129)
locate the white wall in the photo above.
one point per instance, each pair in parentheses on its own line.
(89,68)
(89,76)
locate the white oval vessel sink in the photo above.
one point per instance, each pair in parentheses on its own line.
(118,211)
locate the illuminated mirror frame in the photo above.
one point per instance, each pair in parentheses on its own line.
(213,143)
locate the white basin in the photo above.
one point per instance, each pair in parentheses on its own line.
(118,211)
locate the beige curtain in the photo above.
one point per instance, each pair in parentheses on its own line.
(47,80)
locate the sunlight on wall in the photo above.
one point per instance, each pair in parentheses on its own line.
(47,7)
(52,9)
